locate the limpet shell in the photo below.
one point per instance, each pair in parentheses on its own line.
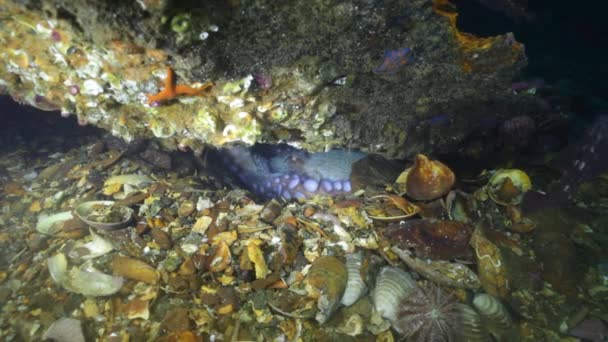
(355,285)
(392,284)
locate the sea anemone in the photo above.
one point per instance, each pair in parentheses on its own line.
(430,314)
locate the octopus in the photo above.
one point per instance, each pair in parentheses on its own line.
(286,172)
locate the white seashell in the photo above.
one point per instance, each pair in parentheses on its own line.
(392,284)
(355,285)
(494,315)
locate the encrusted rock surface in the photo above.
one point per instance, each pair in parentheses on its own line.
(392,77)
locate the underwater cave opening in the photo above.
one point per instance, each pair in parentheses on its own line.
(40,132)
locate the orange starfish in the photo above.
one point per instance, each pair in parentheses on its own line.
(171,90)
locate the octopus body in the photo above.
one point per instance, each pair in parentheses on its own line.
(284,171)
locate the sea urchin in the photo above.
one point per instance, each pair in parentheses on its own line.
(430,314)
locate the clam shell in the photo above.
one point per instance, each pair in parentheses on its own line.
(355,284)
(392,284)
(85,210)
(493,314)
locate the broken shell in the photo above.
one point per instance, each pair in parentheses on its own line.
(494,315)
(104,214)
(508,186)
(50,224)
(85,279)
(134,269)
(97,247)
(392,284)
(426,179)
(326,281)
(353,326)
(441,272)
(221,257)
(355,285)
(460,206)
(65,329)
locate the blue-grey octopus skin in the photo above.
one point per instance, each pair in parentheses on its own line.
(283,171)
(587,158)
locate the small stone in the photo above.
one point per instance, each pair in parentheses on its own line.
(187,267)
(271,211)
(177,320)
(187,208)
(172,262)
(162,239)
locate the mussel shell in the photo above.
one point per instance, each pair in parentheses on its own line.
(392,284)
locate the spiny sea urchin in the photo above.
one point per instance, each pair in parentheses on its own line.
(430,314)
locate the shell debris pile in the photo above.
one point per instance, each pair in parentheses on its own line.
(199,262)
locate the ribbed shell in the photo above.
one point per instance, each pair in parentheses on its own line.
(494,314)
(355,285)
(392,284)
(472,328)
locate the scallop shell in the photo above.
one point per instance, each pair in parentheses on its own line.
(392,284)
(326,281)
(508,186)
(494,315)
(355,284)
(426,179)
